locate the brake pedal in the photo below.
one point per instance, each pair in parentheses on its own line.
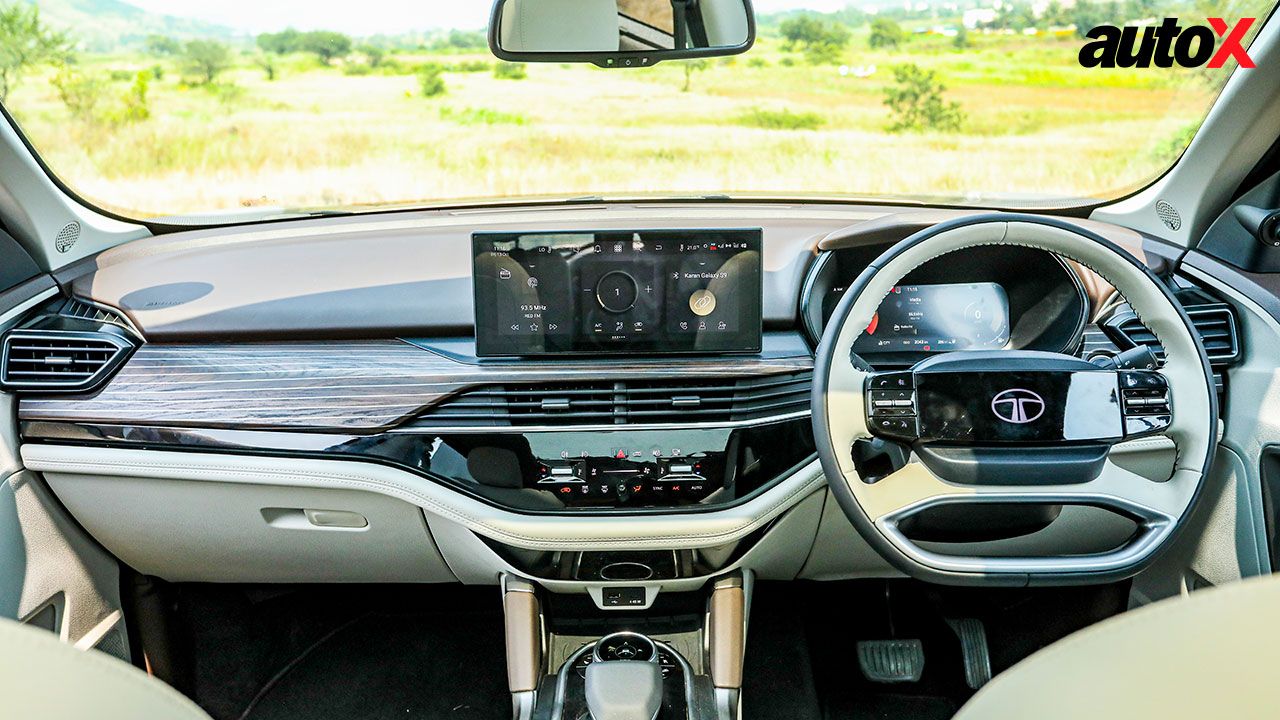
(891,661)
(973,646)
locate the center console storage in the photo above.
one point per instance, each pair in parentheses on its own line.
(680,659)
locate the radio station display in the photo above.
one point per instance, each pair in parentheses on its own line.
(654,291)
(938,318)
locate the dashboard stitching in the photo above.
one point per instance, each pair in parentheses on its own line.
(413,496)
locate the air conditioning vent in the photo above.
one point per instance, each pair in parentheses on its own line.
(81,310)
(629,402)
(60,361)
(1216,325)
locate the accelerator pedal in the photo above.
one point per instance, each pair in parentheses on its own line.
(973,646)
(891,661)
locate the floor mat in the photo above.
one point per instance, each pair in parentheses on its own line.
(394,666)
(888,706)
(777,673)
(801,646)
(343,652)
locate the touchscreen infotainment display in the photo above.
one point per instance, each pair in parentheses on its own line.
(647,291)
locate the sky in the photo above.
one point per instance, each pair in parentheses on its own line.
(371,17)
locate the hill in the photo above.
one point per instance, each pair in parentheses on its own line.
(106,25)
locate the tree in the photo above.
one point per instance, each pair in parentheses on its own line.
(267,63)
(1089,15)
(79,91)
(961,41)
(163,45)
(326,44)
(886,34)
(374,54)
(1055,15)
(510,71)
(281,43)
(431,79)
(690,67)
(136,106)
(25,41)
(461,40)
(205,59)
(1015,16)
(916,102)
(820,40)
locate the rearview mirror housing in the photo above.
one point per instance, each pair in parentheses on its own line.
(619,33)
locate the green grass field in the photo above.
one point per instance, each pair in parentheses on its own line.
(765,122)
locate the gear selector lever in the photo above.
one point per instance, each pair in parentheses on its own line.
(624,681)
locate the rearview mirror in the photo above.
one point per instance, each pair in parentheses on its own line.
(619,33)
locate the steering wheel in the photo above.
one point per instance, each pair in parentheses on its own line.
(1013,427)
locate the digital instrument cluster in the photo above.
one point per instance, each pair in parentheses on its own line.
(647,291)
(938,318)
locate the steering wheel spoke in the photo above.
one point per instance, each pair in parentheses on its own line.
(847,409)
(914,488)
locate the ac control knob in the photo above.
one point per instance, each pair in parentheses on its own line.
(616,292)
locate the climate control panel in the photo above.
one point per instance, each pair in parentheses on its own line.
(632,476)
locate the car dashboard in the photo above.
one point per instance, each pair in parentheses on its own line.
(684,425)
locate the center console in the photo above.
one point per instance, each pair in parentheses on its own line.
(679,660)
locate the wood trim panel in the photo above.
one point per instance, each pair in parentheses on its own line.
(353,386)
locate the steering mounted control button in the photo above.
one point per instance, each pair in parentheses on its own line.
(898,428)
(891,381)
(1142,379)
(891,406)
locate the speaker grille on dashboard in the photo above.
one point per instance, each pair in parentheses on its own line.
(67,236)
(1168,215)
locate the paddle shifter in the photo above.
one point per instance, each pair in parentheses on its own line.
(624,680)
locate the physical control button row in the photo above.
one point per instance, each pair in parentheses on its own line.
(891,405)
(891,381)
(1146,402)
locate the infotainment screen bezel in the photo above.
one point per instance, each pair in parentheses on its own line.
(745,337)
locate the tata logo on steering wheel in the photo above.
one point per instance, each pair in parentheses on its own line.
(1017,405)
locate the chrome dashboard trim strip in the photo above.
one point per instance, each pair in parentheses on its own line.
(729,424)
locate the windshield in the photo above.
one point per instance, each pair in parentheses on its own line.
(230,109)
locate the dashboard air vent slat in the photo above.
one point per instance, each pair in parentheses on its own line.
(1216,325)
(59,360)
(74,308)
(624,402)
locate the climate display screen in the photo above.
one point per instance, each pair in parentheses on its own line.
(654,291)
(938,318)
